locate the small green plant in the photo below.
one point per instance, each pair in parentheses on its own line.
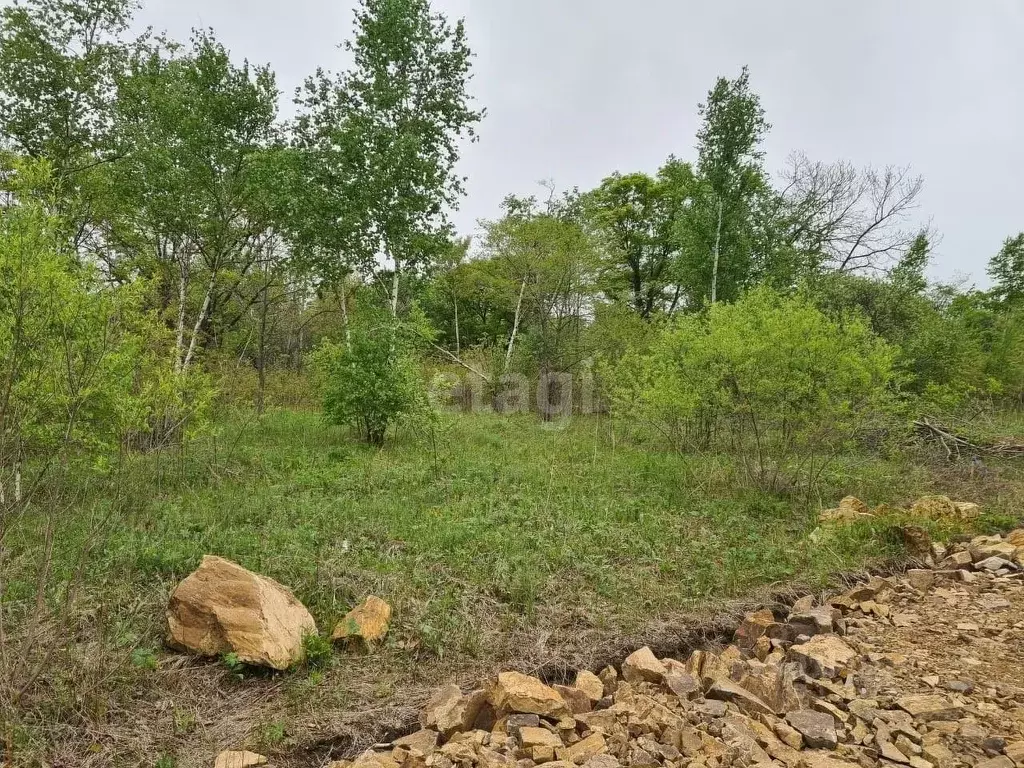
(234,665)
(272,735)
(144,658)
(184,721)
(165,761)
(318,652)
(371,380)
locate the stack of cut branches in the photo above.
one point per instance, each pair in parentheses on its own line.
(958,445)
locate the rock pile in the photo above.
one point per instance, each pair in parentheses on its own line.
(852,509)
(921,671)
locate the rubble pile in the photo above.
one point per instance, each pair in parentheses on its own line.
(919,671)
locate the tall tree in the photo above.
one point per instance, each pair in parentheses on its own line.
(635,216)
(1007,269)
(729,163)
(388,132)
(188,194)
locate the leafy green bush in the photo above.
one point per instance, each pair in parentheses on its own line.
(769,378)
(371,380)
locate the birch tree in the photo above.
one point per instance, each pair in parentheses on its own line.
(386,136)
(186,195)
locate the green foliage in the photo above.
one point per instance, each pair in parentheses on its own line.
(384,141)
(318,653)
(717,233)
(636,216)
(144,658)
(768,376)
(83,360)
(1007,269)
(371,380)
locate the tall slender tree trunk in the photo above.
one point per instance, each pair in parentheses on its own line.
(343,300)
(200,318)
(394,291)
(179,340)
(458,341)
(515,326)
(262,370)
(718,250)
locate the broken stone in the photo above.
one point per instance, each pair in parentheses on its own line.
(850,509)
(817,728)
(583,750)
(726,690)
(996,762)
(1000,549)
(753,627)
(921,579)
(423,740)
(643,666)
(530,737)
(223,608)
(815,621)
(957,560)
(590,684)
(448,710)
(516,692)
(927,707)
(577,701)
(994,564)
(366,624)
(705,667)
(789,735)
(938,754)
(683,685)
(824,656)
(774,685)
(232,759)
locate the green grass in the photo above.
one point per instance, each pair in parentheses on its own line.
(502,511)
(487,527)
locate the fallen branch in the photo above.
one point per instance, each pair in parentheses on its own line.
(956,445)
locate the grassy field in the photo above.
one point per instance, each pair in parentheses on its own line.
(499,542)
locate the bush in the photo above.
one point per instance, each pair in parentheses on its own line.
(371,380)
(768,377)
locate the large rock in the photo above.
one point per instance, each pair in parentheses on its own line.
(590,684)
(223,608)
(365,625)
(850,509)
(643,666)
(449,711)
(928,707)
(726,690)
(824,656)
(817,728)
(516,692)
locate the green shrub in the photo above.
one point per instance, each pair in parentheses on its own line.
(371,380)
(770,378)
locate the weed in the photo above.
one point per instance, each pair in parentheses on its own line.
(318,651)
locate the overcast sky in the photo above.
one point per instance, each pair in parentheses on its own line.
(576,89)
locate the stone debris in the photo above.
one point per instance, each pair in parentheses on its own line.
(919,671)
(852,509)
(223,608)
(365,625)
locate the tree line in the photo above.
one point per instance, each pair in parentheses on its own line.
(162,222)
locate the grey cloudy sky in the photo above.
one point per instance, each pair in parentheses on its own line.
(576,89)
